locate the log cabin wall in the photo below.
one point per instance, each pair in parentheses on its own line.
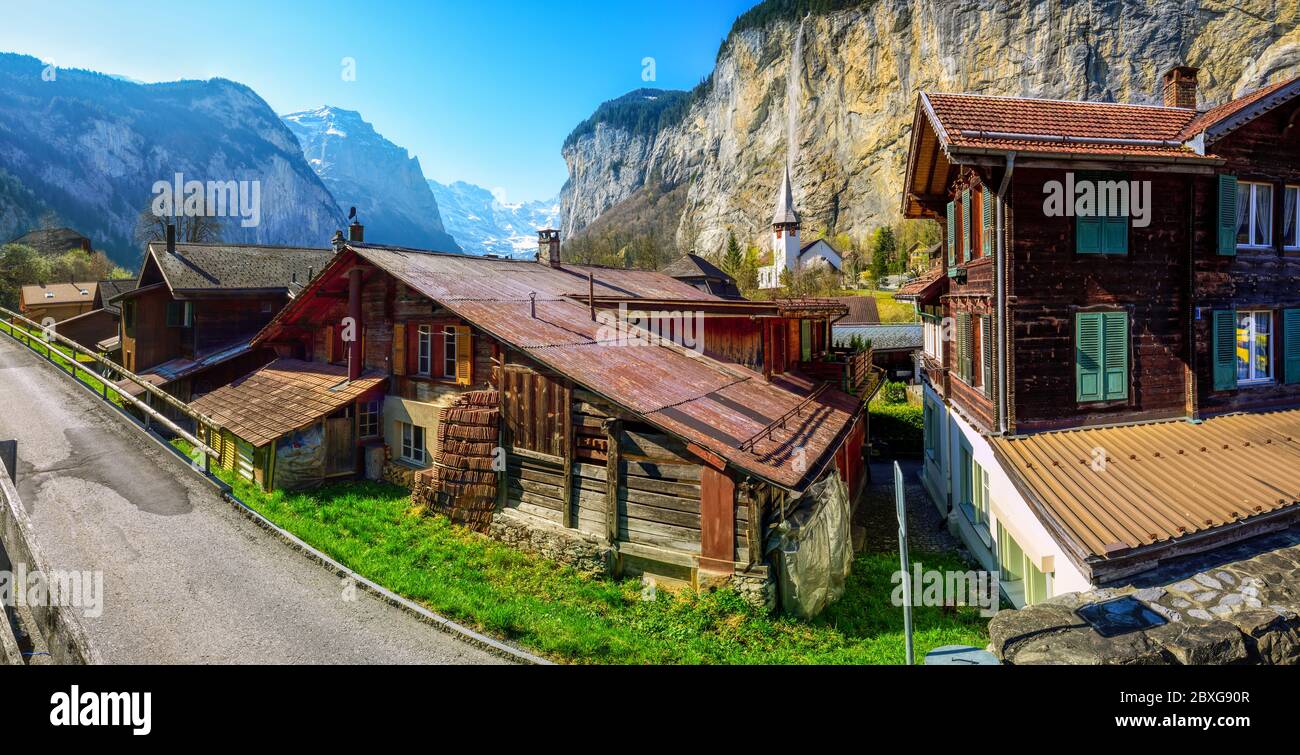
(1266,150)
(148,342)
(1051,283)
(969,294)
(219,322)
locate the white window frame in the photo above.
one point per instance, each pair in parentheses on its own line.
(424,351)
(449,351)
(1250,213)
(1251,334)
(932,326)
(410,452)
(369,418)
(1293,243)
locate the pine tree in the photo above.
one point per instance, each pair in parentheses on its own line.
(734,259)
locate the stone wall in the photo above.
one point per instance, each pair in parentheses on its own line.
(1239,605)
(582,552)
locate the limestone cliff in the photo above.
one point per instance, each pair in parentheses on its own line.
(856,75)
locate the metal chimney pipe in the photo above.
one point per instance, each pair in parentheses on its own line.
(354,312)
(532,302)
(591,294)
(171,238)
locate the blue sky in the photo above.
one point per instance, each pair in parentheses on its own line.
(482,92)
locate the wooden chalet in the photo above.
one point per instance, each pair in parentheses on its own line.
(99,329)
(188,325)
(1039,325)
(517,403)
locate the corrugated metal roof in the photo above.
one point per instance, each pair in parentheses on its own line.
(181,367)
(283,396)
(1109,491)
(717,405)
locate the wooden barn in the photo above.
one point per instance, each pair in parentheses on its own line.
(530,400)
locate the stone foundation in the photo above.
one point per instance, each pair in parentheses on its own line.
(580,551)
(1238,605)
(399,474)
(758,590)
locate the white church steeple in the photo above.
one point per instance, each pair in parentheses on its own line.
(785,234)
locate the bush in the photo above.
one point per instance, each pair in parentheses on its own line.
(895,393)
(899,429)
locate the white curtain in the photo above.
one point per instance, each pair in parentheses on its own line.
(1263,215)
(1291,196)
(1243,213)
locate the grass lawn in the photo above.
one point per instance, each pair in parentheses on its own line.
(570,617)
(890,309)
(85,376)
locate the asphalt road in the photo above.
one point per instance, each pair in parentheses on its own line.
(186,578)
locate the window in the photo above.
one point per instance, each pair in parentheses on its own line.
(1105,231)
(977,224)
(412,443)
(951,238)
(180,314)
(1254,347)
(973,489)
(368,419)
(1020,577)
(1254,215)
(1101,356)
(932,327)
(449,351)
(980,493)
(1290,221)
(932,426)
(424,351)
(986,355)
(128,316)
(964,347)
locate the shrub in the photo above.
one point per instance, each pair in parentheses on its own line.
(895,393)
(898,429)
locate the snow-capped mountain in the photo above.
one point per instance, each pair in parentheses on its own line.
(485,225)
(382,180)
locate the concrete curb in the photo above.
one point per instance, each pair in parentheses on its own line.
(463,633)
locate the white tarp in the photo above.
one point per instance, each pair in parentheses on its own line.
(813,548)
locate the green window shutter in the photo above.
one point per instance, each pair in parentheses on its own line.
(965,226)
(1115,345)
(1114,235)
(1087,235)
(990,220)
(1291,333)
(1225,350)
(1088,357)
(963,346)
(986,353)
(805,340)
(952,234)
(1227,225)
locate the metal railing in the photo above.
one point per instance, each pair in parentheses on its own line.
(48,336)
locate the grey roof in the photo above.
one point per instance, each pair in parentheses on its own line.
(695,266)
(785,203)
(891,337)
(52,240)
(219,267)
(108,289)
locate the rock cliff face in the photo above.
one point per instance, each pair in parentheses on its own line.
(89,147)
(382,180)
(845,85)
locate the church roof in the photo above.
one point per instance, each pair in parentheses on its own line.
(785,203)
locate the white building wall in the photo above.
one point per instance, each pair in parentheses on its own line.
(942,480)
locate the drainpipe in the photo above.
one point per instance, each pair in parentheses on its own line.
(1000,287)
(354,312)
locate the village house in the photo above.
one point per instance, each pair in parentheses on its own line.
(694,270)
(534,400)
(1105,390)
(99,329)
(56,302)
(188,324)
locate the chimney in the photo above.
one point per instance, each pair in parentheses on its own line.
(357,232)
(548,247)
(337,242)
(1180,87)
(85,246)
(171,238)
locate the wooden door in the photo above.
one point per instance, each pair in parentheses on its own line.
(340,446)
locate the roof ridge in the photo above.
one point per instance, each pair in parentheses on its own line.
(1164,108)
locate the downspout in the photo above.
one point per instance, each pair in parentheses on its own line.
(1000,288)
(1193,387)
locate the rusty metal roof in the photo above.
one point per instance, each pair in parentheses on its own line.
(717,405)
(1107,493)
(283,396)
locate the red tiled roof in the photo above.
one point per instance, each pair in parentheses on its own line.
(1215,115)
(917,289)
(1060,126)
